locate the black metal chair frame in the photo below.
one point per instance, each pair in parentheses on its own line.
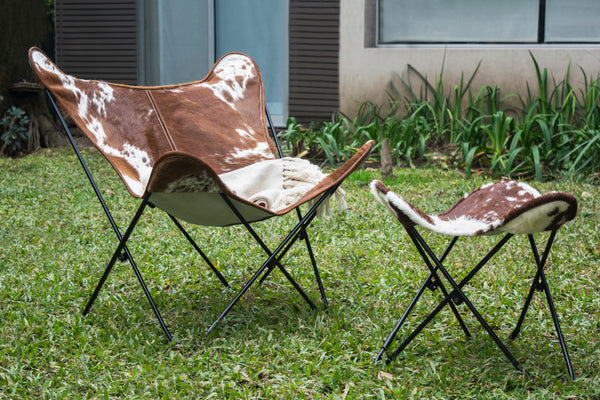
(456,296)
(122,253)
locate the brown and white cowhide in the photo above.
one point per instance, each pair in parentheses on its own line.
(506,206)
(190,143)
(218,120)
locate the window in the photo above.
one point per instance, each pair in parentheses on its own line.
(180,40)
(574,21)
(174,40)
(487,21)
(259,29)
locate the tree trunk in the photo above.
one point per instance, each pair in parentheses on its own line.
(386,159)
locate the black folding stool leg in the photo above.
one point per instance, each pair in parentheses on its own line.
(429,282)
(445,301)
(420,244)
(465,299)
(457,291)
(449,298)
(122,252)
(540,283)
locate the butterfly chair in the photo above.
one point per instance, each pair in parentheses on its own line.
(506,207)
(199,151)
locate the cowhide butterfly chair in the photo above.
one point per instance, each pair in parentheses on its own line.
(200,151)
(504,208)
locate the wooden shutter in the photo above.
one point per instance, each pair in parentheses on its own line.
(97,39)
(314,55)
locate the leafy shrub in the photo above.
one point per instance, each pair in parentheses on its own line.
(555,133)
(14,131)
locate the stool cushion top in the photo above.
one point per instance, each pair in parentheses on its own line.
(506,206)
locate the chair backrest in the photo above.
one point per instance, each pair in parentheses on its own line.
(219,120)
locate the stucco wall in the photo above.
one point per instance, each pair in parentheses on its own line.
(366,71)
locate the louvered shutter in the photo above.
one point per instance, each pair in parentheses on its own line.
(97,39)
(314,54)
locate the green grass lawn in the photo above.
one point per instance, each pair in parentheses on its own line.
(56,241)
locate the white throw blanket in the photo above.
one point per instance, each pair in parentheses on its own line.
(277,184)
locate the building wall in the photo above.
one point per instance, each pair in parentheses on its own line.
(366,71)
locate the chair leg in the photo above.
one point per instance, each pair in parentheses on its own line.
(540,283)
(428,283)
(274,256)
(120,248)
(86,170)
(199,251)
(276,260)
(304,235)
(267,264)
(456,292)
(284,271)
(122,252)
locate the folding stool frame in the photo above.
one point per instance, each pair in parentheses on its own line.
(457,296)
(122,252)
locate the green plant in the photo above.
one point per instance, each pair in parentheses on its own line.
(554,133)
(580,148)
(335,142)
(498,133)
(584,156)
(444,108)
(412,135)
(297,138)
(15,131)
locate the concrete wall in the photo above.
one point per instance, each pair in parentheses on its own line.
(366,71)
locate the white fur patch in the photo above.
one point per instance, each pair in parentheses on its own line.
(133,155)
(463,226)
(260,151)
(534,220)
(230,71)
